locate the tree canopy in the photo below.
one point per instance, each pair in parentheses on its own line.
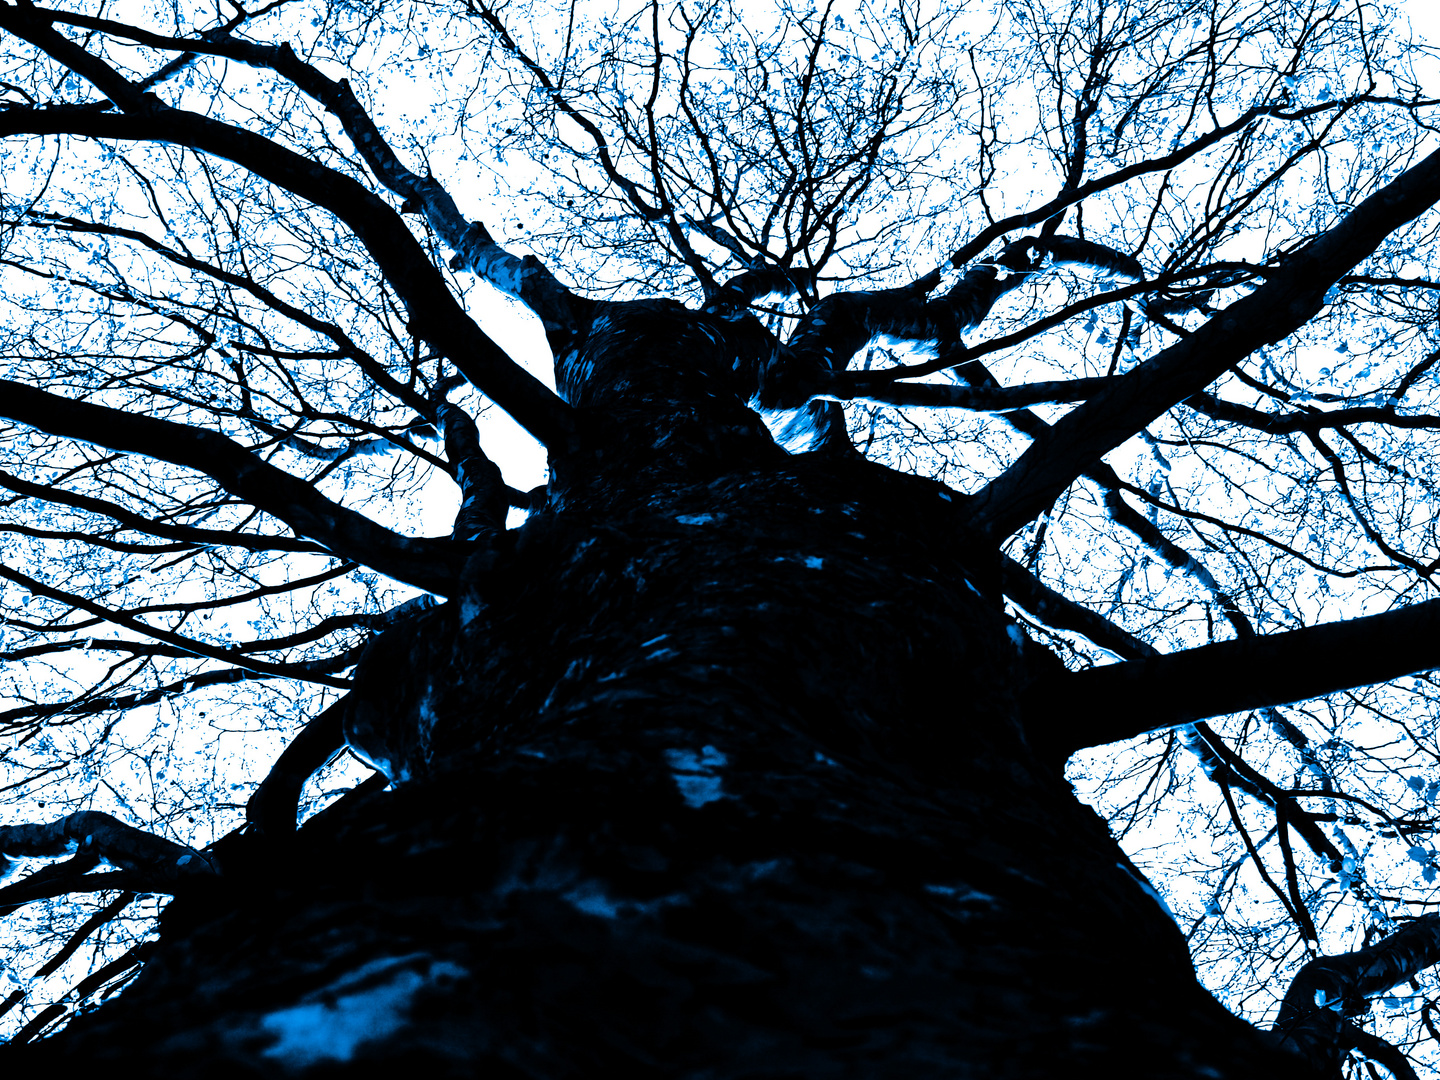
(1148,287)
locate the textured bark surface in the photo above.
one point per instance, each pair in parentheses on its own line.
(719,773)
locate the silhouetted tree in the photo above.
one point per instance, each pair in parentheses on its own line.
(937,395)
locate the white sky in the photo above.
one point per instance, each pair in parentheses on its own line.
(1424,17)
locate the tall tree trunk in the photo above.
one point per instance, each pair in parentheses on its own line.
(718,772)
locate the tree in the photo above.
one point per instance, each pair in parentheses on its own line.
(744,753)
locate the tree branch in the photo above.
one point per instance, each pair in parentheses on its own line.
(1312,421)
(138,523)
(1070,196)
(761,280)
(345,346)
(99,919)
(273,807)
(429,564)
(1054,609)
(484,498)
(1119,701)
(435,315)
(1054,737)
(978,398)
(1289,298)
(1312,1014)
(525,279)
(661,210)
(141,856)
(1376,1048)
(179,641)
(838,326)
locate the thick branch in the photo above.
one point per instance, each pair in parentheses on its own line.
(273,807)
(1311,421)
(435,315)
(41,886)
(1054,609)
(1119,701)
(525,279)
(1219,761)
(428,564)
(838,326)
(956,356)
(1288,299)
(93,701)
(1377,1049)
(89,832)
(484,498)
(745,288)
(1102,475)
(95,922)
(1312,1015)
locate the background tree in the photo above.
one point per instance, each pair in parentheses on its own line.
(1093,331)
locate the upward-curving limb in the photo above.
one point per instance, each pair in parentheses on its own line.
(525,279)
(436,317)
(1288,298)
(1329,989)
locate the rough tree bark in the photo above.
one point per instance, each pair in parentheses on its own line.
(719,768)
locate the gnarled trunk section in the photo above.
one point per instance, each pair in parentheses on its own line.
(719,771)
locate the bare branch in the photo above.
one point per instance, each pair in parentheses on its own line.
(977,398)
(178,641)
(1119,701)
(1289,297)
(191,535)
(160,863)
(1312,1015)
(429,564)
(435,315)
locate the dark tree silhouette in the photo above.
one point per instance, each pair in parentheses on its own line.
(938,395)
